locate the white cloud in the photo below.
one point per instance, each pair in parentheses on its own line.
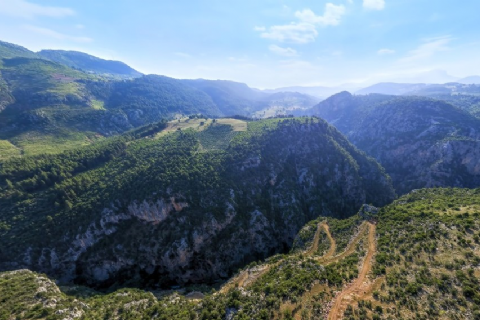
(304,30)
(331,16)
(80,26)
(25,9)
(428,49)
(385,51)
(56,35)
(374,4)
(286,52)
(294,32)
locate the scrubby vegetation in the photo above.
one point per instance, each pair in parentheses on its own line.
(425,267)
(427,252)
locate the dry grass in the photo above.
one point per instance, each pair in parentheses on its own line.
(200,125)
(237,125)
(184,124)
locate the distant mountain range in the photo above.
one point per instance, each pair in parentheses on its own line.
(391,88)
(470,80)
(316,91)
(54,100)
(88,63)
(434,79)
(424,89)
(73,59)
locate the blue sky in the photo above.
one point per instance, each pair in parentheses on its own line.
(264,43)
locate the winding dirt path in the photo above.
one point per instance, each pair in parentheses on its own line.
(345,297)
(316,239)
(328,255)
(333,244)
(351,247)
(247,277)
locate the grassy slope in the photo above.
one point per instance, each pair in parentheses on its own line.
(30,80)
(47,107)
(8,150)
(54,110)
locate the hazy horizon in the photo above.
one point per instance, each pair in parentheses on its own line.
(268,44)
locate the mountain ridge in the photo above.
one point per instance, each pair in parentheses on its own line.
(46,106)
(421,142)
(89,63)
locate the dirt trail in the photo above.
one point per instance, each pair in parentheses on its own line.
(232,283)
(307,296)
(333,244)
(314,248)
(316,239)
(358,286)
(329,258)
(249,276)
(351,248)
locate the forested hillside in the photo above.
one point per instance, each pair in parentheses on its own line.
(55,100)
(146,211)
(421,142)
(88,63)
(465,96)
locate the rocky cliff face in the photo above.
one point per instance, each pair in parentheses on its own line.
(280,189)
(421,142)
(266,186)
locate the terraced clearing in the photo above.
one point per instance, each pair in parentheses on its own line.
(34,143)
(201,125)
